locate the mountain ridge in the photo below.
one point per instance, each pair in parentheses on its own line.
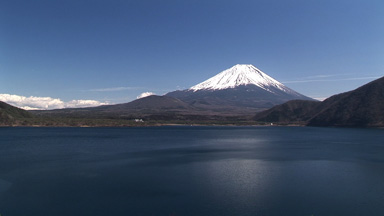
(360,107)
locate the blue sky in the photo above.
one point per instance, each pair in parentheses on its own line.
(113,50)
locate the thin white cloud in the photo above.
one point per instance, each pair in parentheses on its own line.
(304,81)
(331,80)
(145,94)
(320,98)
(29,108)
(83,103)
(327,75)
(321,76)
(114,89)
(363,78)
(46,103)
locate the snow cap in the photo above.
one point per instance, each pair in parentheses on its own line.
(240,74)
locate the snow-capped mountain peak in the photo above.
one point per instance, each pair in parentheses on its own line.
(241,74)
(241,87)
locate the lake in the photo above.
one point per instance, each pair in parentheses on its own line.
(184,171)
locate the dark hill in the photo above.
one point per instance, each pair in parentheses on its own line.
(10,115)
(295,111)
(363,107)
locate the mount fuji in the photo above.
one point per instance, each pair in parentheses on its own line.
(234,94)
(241,87)
(239,75)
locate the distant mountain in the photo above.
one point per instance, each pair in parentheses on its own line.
(241,87)
(149,104)
(362,107)
(138,108)
(10,115)
(149,108)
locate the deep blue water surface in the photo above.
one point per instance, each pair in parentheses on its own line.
(183,171)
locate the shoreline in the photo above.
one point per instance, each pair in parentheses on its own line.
(155,125)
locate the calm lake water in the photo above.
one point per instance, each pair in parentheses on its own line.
(182,171)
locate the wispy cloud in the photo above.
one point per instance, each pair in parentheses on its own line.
(321,76)
(145,94)
(320,98)
(363,78)
(114,89)
(330,80)
(46,103)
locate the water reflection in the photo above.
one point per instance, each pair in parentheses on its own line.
(191,171)
(4,185)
